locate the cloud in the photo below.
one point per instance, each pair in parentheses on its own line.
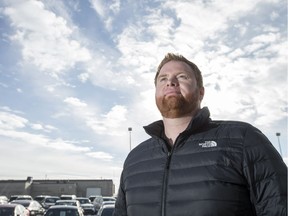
(44,128)
(106,11)
(9,121)
(106,123)
(46,39)
(100,155)
(110,123)
(75,102)
(86,77)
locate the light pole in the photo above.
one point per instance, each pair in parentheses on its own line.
(278,136)
(130,130)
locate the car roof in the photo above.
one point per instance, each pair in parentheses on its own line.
(12,205)
(52,197)
(68,195)
(108,206)
(109,197)
(63,207)
(67,200)
(23,201)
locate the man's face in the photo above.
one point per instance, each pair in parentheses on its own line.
(177,94)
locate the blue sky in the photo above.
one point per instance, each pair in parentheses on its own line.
(74,75)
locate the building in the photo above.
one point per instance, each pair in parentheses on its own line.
(81,188)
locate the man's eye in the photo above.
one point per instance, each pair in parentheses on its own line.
(162,79)
(183,77)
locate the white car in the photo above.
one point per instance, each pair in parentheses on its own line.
(106,210)
(87,206)
(57,210)
(99,200)
(70,203)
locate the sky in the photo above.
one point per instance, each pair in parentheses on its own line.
(76,74)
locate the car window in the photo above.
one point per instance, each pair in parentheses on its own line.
(26,204)
(57,212)
(83,201)
(6,211)
(107,212)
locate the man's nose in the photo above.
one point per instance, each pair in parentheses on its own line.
(172,81)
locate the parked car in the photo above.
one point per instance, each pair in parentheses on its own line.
(13,197)
(70,203)
(24,197)
(68,197)
(62,210)
(49,201)
(3,199)
(99,200)
(92,197)
(13,209)
(33,206)
(86,205)
(108,203)
(106,210)
(40,198)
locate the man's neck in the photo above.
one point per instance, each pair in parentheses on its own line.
(173,127)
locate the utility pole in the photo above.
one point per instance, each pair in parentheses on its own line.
(130,130)
(278,136)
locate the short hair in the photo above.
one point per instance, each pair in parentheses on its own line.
(176,57)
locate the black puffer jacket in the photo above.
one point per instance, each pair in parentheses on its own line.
(215,168)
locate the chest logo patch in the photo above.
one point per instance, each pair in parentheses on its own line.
(208,144)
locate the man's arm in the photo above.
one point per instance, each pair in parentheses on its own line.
(120,205)
(266,174)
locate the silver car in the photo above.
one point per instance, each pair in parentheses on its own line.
(60,210)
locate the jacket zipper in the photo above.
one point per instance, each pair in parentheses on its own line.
(166,172)
(165,183)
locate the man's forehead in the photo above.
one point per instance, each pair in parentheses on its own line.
(175,66)
(178,65)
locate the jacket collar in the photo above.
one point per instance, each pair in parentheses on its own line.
(201,119)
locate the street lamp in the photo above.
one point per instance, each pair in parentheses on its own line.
(278,136)
(130,130)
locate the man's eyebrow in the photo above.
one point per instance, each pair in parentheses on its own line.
(162,75)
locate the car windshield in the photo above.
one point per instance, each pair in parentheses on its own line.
(83,201)
(62,212)
(66,203)
(107,212)
(6,211)
(51,200)
(25,204)
(108,199)
(39,199)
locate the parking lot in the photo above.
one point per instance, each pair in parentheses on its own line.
(48,205)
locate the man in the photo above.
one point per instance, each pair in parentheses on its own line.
(193,166)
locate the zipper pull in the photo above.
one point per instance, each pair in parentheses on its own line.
(168,160)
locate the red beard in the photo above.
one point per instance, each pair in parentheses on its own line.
(177,106)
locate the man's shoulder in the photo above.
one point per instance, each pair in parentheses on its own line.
(146,145)
(143,151)
(232,123)
(232,127)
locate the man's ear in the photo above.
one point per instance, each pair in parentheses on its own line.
(201,93)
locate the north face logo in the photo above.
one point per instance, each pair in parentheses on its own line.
(208,144)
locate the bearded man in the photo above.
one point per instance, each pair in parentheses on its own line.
(194,166)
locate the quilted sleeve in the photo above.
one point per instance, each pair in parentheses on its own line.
(266,175)
(120,205)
